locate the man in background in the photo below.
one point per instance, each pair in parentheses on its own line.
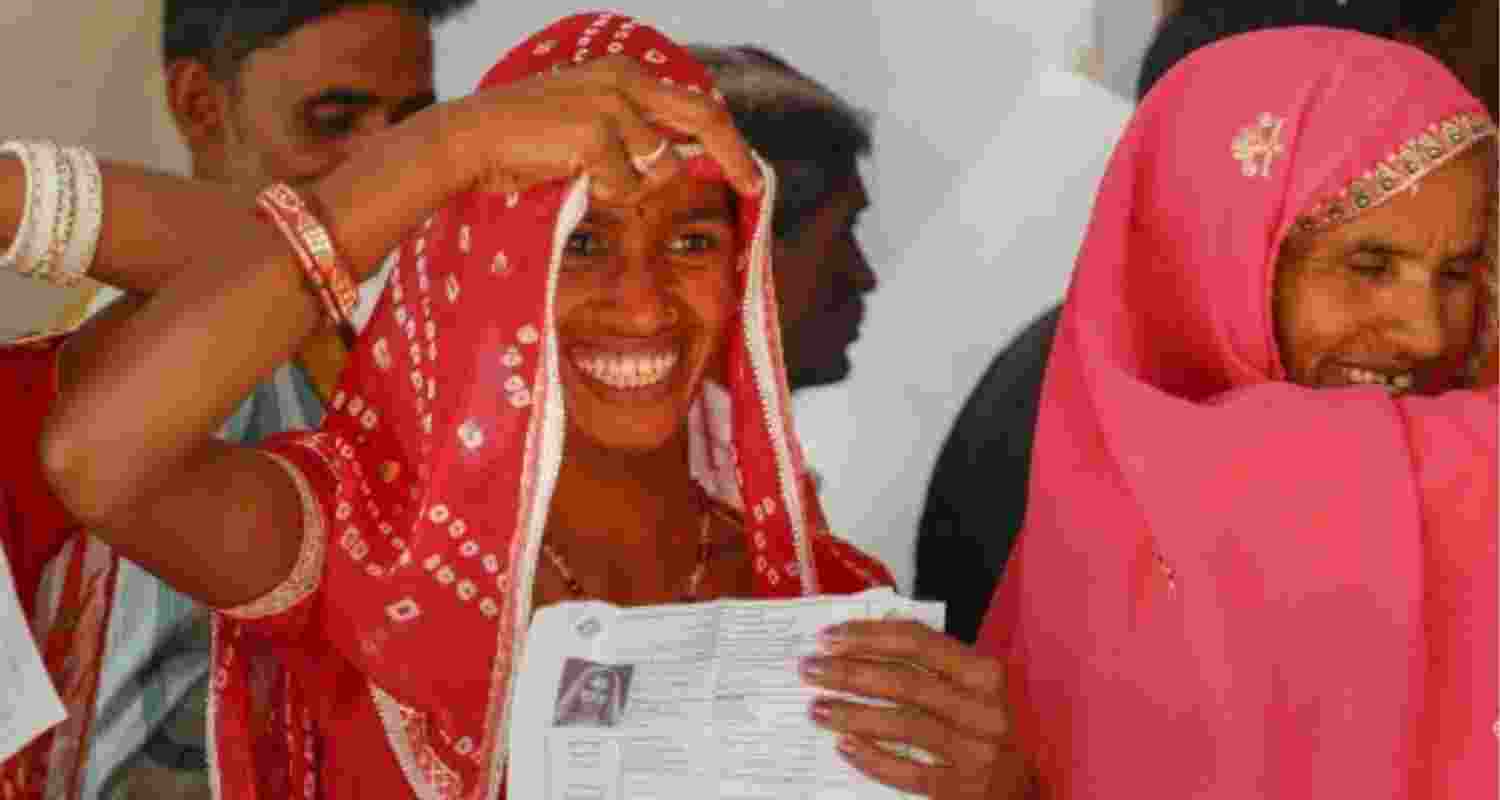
(976,500)
(260,93)
(814,140)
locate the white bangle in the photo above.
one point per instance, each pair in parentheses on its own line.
(19,256)
(63,213)
(88,200)
(28,253)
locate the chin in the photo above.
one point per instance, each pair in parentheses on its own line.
(617,436)
(826,373)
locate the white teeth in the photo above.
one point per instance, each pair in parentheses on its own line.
(1391,383)
(620,371)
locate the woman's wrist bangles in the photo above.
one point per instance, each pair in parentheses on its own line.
(326,274)
(63,212)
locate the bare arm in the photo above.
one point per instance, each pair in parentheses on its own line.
(129,448)
(142,242)
(151,480)
(140,247)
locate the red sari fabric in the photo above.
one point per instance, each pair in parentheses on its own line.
(428,489)
(65,580)
(36,525)
(1228,585)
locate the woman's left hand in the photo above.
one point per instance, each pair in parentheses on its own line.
(949,702)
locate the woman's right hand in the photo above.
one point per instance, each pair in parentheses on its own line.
(592,118)
(145,478)
(595,118)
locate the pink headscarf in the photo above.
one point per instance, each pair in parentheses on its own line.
(1229,585)
(444,440)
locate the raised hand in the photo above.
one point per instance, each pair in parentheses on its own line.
(604,118)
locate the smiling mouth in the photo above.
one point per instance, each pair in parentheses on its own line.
(1393,382)
(627,371)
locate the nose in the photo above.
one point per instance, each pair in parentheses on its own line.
(861,276)
(1416,326)
(645,307)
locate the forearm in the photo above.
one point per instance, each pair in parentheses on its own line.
(139,403)
(154,224)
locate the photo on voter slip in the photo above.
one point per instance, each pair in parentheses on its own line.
(592,695)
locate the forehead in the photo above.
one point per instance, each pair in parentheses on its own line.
(376,49)
(705,199)
(1446,210)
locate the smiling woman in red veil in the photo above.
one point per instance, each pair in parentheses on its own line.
(572,387)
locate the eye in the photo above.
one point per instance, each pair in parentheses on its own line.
(1460,270)
(689,243)
(585,244)
(332,123)
(1370,265)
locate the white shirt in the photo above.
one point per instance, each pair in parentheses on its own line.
(996,252)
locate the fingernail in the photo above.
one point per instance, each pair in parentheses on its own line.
(821,711)
(814,667)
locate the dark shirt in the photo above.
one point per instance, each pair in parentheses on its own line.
(976,500)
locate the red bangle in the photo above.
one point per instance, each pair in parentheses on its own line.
(310,240)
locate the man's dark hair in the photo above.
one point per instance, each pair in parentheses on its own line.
(812,136)
(1202,22)
(222,34)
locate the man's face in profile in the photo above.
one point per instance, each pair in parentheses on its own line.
(821,280)
(303,105)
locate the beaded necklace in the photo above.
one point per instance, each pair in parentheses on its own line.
(695,578)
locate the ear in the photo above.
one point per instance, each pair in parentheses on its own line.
(199,103)
(780,249)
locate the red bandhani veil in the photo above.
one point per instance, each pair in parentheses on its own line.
(443,445)
(65,579)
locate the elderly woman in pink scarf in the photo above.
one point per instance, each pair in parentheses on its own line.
(1260,553)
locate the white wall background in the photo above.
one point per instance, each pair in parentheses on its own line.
(988,150)
(80,72)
